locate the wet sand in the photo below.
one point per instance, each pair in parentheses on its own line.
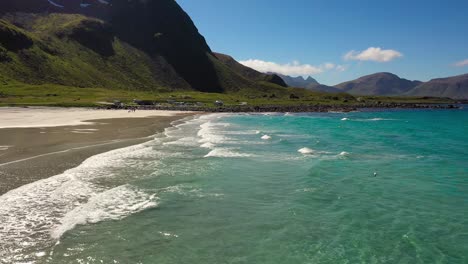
(28,154)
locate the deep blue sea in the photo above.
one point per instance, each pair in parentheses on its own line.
(362,187)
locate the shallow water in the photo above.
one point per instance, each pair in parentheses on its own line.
(364,187)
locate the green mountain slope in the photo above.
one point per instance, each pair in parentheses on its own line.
(247,72)
(134,45)
(78,51)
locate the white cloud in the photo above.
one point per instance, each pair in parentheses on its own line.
(373,54)
(341,68)
(294,68)
(462,63)
(329,66)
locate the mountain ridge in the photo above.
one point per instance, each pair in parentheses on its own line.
(308,83)
(455,87)
(381,83)
(249,72)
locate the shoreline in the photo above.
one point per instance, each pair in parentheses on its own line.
(36,144)
(29,154)
(291,108)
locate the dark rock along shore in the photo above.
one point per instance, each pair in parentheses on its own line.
(293,108)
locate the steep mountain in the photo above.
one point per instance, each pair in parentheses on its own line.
(309,83)
(383,83)
(133,44)
(298,81)
(247,72)
(75,50)
(455,87)
(87,7)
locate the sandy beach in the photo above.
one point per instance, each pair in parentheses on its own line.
(36,143)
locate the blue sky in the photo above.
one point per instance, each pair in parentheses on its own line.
(336,41)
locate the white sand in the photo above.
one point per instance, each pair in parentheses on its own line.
(13,117)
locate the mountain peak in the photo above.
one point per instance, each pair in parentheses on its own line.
(298,81)
(381,83)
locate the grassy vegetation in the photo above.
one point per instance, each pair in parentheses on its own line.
(73,50)
(14,93)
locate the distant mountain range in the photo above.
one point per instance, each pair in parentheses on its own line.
(388,84)
(453,87)
(298,81)
(308,83)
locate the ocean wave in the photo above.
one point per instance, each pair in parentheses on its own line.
(306,151)
(113,204)
(371,119)
(184,142)
(34,216)
(208,145)
(208,133)
(226,153)
(344,154)
(187,190)
(266,137)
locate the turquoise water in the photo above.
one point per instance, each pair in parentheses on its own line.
(211,190)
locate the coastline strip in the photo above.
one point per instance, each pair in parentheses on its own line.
(37,153)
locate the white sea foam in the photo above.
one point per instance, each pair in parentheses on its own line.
(367,119)
(306,190)
(266,137)
(167,234)
(344,154)
(185,141)
(113,204)
(4,147)
(187,190)
(374,119)
(306,151)
(34,216)
(226,153)
(208,145)
(209,133)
